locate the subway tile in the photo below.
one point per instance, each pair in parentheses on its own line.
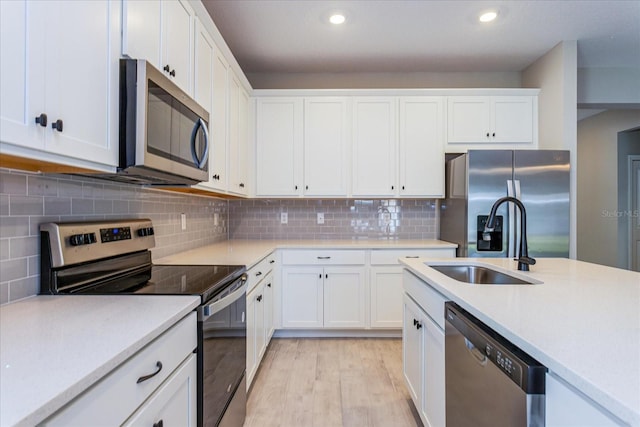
(4,205)
(42,186)
(57,206)
(35,221)
(4,249)
(4,292)
(24,246)
(23,288)
(82,206)
(13,269)
(69,188)
(26,205)
(12,183)
(14,226)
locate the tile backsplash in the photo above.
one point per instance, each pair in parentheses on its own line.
(27,200)
(343,219)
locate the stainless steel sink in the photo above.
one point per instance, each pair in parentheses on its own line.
(478,275)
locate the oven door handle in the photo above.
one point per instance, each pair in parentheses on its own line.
(219,305)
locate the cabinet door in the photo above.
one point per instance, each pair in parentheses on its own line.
(22,74)
(261,333)
(278,147)
(374,147)
(468,119)
(434,408)
(344,297)
(218,122)
(412,350)
(421,147)
(252,325)
(82,94)
(174,403)
(386,297)
(326,145)
(512,119)
(302,297)
(238,137)
(268,307)
(177,42)
(141,32)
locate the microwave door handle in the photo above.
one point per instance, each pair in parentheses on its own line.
(200,162)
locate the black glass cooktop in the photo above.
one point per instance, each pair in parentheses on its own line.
(203,280)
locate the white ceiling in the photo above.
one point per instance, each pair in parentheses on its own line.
(292,36)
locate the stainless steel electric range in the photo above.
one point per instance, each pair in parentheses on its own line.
(113,257)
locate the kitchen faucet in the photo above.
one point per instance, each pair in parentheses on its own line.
(524,261)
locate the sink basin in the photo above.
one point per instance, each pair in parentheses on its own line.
(478,275)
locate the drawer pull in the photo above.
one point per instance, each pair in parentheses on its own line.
(146,377)
(259,298)
(412,256)
(158,424)
(272,261)
(324,257)
(259,273)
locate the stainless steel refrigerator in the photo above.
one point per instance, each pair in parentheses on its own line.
(475,180)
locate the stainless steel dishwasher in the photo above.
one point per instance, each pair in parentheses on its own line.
(489,381)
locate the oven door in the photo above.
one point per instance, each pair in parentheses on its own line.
(222,355)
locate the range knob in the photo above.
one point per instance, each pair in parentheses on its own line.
(146,231)
(82,239)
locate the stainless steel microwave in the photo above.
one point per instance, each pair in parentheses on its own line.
(163,132)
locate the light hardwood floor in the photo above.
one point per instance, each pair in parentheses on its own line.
(331,382)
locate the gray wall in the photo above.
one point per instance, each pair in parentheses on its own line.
(343,219)
(27,200)
(598,185)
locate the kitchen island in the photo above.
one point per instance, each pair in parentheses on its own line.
(582,322)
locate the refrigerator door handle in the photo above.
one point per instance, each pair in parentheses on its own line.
(511,230)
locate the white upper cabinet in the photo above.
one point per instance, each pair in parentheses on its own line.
(279,146)
(374,146)
(421,147)
(238,108)
(326,146)
(59,81)
(491,119)
(161,32)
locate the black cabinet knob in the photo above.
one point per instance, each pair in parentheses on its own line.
(306,187)
(418,325)
(42,120)
(403,187)
(166,68)
(242,185)
(392,187)
(487,134)
(159,424)
(296,187)
(494,134)
(268,285)
(259,298)
(57,125)
(172,73)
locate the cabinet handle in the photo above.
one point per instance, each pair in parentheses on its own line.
(296,187)
(172,73)
(487,134)
(158,424)
(259,273)
(415,322)
(166,68)
(412,256)
(216,177)
(494,134)
(392,187)
(241,185)
(324,257)
(57,125)
(259,298)
(42,120)
(272,261)
(418,325)
(403,187)
(326,276)
(146,377)
(306,187)
(320,276)
(269,285)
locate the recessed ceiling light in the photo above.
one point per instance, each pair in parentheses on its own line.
(488,16)
(337,19)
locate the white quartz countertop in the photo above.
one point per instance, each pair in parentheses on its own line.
(52,348)
(250,252)
(582,322)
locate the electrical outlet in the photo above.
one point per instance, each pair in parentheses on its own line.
(320,218)
(183,221)
(284,217)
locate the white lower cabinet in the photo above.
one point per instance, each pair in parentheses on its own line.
(423,360)
(567,407)
(323,297)
(158,382)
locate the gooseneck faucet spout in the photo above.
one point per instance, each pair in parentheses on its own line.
(524,261)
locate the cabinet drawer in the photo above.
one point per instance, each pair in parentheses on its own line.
(430,300)
(323,257)
(114,398)
(260,270)
(390,256)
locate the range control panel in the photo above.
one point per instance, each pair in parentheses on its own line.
(76,242)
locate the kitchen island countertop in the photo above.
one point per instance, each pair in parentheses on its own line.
(582,322)
(53,348)
(250,252)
